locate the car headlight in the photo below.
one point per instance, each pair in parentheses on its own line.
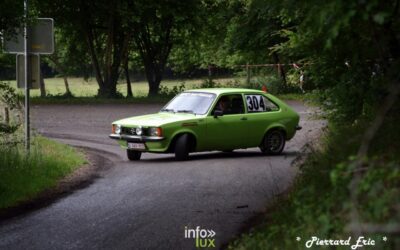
(116,129)
(155,131)
(139,131)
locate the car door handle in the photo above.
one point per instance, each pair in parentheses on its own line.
(243,119)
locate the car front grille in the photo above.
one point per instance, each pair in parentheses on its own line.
(132,131)
(128,131)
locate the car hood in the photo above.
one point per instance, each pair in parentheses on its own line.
(154,120)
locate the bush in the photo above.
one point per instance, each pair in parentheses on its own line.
(209,83)
(319,202)
(170,92)
(12,120)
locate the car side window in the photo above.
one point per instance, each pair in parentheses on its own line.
(230,104)
(259,103)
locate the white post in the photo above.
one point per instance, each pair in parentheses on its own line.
(26,73)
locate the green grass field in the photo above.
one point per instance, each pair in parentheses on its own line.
(86,91)
(81,88)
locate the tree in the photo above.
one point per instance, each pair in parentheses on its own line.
(157,26)
(206,45)
(252,31)
(11,17)
(101,29)
(354,49)
(114,31)
(70,57)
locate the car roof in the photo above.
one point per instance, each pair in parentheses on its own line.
(219,91)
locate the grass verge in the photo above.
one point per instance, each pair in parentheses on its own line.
(292,96)
(319,202)
(23,177)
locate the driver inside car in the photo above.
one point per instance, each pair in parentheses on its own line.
(223,105)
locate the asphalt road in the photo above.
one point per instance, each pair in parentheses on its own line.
(147,204)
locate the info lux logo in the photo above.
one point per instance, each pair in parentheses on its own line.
(203,237)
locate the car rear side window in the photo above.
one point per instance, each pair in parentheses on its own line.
(230,104)
(259,103)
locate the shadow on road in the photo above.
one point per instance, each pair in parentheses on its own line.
(218,155)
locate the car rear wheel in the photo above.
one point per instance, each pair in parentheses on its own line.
(273,142)
(182,148)
(133,155)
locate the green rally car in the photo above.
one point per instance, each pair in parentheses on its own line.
(210,119)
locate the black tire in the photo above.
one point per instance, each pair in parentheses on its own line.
(228,151)
(133,155)
(182,148)
(273,142)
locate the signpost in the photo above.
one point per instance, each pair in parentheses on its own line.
(33,73)
(41,39)
(28,45)
(26,74)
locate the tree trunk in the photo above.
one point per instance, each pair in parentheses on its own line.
(95,61)
(67,90)
(42,87)
(153,88)
(6,116)
(154,77)
(107,47)
(281,70)
(108,90)
(60,68)
(128,79)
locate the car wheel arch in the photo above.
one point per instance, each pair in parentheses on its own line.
(275,127)
(192,138)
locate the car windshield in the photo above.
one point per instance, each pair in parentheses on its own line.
(190,102)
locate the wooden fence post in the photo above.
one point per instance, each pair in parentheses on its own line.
(6,116)
(248,74)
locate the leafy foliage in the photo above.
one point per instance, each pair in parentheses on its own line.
(12,120)
(319,203)
(173,91)
(11,17)
(352,48)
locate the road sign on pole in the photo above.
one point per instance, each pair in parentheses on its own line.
(41,39)
(30,41)
(26,74)
(33,73)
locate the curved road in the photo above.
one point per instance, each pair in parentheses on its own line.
(147,204)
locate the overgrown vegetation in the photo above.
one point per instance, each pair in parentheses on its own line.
(10,116)
(319,203)
(350,54)
(22,176)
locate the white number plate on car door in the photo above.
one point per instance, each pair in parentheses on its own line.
(133,145)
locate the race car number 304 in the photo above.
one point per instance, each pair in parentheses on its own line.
(255,103)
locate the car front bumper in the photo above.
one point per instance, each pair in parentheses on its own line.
(136,138)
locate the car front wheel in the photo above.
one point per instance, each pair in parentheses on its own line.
(182,148)
(133,155)
(273,142)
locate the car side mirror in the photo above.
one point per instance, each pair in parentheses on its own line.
(217,113)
